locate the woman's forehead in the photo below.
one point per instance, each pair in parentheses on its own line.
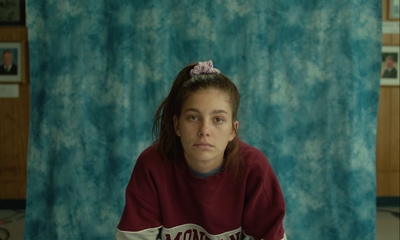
(208,99)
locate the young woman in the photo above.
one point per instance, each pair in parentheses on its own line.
(198,181)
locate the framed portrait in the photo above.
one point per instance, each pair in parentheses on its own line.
(390,66)
(394,10)
(12,12)
(12,59)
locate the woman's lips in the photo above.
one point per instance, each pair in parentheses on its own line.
(203,145)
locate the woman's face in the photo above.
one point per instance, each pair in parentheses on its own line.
(205,127)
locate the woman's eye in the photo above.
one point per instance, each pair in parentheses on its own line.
(219,120)
(193,118)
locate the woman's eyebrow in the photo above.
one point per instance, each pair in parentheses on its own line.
(192,110)
(219,111)
(216,111)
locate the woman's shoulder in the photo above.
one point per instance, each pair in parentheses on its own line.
(254,159)
(150,158)
(150,151)
(248,151)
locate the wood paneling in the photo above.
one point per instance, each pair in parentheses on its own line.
(388,132)
(388,142)
(382,142)
(14,127)
(385,4)
(395,39)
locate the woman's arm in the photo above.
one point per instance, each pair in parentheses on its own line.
(141,216)
(264,207)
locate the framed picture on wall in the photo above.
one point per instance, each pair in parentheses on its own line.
(11,67)
(394,10)
(390,66)
(12,12)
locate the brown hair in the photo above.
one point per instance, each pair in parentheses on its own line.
(169,143)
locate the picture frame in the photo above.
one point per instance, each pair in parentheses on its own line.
(12,12)
(12,53)
(390,66)
(393,10)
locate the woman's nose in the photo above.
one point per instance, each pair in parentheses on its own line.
(204,129)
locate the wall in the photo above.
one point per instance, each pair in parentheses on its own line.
(388,144)
(14,126)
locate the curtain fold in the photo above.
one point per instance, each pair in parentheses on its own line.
(308,72)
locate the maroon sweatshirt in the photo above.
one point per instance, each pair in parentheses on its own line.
(164,201)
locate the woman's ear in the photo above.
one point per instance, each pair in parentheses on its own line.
(177,132)
(235,128)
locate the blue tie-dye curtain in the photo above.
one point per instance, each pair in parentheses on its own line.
(308,72)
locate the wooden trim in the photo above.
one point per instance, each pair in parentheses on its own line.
(12,203)
(388,201)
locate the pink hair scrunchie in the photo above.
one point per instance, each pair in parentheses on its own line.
(204,68)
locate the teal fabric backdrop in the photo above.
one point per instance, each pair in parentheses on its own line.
(308,72)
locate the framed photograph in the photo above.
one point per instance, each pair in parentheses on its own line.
(390,66)
(12,12)
(394,10)
(11,67)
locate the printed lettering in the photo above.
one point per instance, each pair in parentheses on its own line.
(196,234)
(187,235)
(177,237)
(235,236)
